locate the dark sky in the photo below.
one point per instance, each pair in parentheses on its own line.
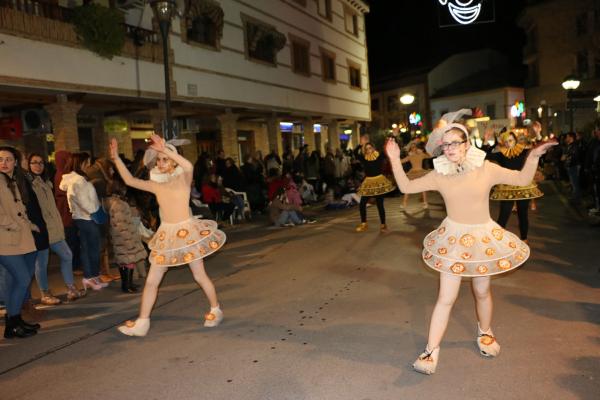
(404,35)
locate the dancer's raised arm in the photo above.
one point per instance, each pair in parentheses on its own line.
(406,185)
(525,175)
(129,180)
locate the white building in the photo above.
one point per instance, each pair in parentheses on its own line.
(237,68)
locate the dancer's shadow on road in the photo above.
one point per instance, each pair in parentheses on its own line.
(558,310)
(583,383)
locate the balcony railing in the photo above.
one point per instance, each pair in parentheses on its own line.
(50,22)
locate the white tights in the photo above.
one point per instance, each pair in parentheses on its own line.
(155,276)
(449,287)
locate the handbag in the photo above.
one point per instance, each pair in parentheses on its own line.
(99,216)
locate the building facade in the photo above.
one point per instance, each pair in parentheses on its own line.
(238,70)
(563,39)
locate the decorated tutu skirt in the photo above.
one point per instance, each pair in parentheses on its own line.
(473,249)
(375,186)
(184,242)
(510,193)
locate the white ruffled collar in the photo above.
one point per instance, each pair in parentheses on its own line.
(474,159)
(157,176)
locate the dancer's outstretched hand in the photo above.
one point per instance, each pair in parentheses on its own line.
(114,149)
(392,149)
(539,150)
(158,143)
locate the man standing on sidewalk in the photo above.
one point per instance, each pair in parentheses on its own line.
(572,160)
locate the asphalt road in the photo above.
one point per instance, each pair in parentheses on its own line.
(321,312)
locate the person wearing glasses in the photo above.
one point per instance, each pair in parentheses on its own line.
(468,243)
(56,234)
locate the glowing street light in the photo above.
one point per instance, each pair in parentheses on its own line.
(569,84)
(407,99)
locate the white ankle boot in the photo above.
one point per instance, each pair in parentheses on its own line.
(427,361)
(214,317)
(139,327)
(487,343)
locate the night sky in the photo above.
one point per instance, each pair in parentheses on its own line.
(404,35)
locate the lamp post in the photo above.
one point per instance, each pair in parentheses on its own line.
(570,83)
(164,11)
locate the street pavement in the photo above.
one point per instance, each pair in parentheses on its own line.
(322,312)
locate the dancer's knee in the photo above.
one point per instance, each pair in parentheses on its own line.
(446,300)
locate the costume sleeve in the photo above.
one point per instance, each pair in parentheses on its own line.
(418,185)
(148,186)
(507,176)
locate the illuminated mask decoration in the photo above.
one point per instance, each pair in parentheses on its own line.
(463,12)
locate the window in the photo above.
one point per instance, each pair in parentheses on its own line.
(351,21)
(324,8)
(328,65)
(263,42)
(354,73)
(582,64)
(490,110)
(374,104)
(300,56)
(203,23)
(581,26)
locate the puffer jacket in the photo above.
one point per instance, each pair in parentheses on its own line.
(126,243)
(43,192)
(81,195)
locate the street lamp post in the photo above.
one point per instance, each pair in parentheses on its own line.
(570,83)
(164,11)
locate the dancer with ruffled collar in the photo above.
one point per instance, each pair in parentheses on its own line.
(468,243)
(181,238)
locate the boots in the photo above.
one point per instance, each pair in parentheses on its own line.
(214,317)
(15,328)
(139,327)
(487,343)
(126,278)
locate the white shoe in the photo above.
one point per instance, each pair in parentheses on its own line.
(213,318)
(427,361)
(139,327)
(487,343)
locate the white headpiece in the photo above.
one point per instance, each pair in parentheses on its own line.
(150,160)
(435,139)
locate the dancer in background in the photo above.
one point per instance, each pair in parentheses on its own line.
(415,156)
(181,238)
(467,243)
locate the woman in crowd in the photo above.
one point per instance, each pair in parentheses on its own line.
(126,247)
(56,235)
(17,244)
(375,184)
(415,157)
(212,195)
(467,243)
(512,155)
(181,238)
(283,213)
(83,202)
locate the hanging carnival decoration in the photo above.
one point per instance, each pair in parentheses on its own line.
(465,12)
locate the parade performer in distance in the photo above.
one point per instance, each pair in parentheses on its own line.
(415,157)
(181,238)
(467,243)
(375,184)
(512,155)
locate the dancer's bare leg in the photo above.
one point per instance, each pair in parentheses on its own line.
(449,287)
(197,268)
(483,301)
(155,276)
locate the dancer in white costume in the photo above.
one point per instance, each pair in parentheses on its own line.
(181,238)
(468,243)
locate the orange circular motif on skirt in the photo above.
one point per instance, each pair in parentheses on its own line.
(490,252)
(191,241)
(153,253)
(161,236)
(442,230)
(486,239)
(431,242)
(467,240)
(519,257)
(427,255)
(205,232)
(466,256)
(161,246)
(512,245)
(482,269)
(438,264)
(160,259)
(524,249)
(182,233)
(187,257)
(173,260)
(497,233)
(504,264)
(451,239)
(213,245)
(202,251)
(457,268)
(442,250)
